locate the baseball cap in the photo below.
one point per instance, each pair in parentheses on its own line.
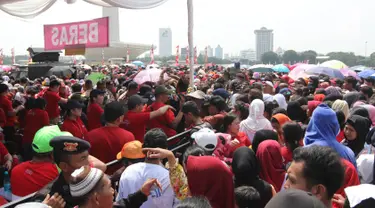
(268,83)
(131,150)
(221,92)
(205,138)
(96,92)
(197,95)
(135,100)
(113,111)
(43,137)
(161,89)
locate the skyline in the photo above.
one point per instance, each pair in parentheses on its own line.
(295,27)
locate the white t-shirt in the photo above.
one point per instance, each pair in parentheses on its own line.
(135,175)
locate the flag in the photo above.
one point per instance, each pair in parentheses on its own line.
(30,58)
(152,55)
(102,56)
(187,55)
(205,56)
(127,56)
(177,54)
(13,57)
(195,55)
(1,56)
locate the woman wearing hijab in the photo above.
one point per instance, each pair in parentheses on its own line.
(371,112)
(351,98)
(272,168)
(361,111)
(263,135)
(256,120)
(209,177)
(341,105)
(246,171)
(355,131)
(293,135)
(311,105)
(295,112)
(322,130)
(277,122)
(333,91)
(319,97)
(280,99)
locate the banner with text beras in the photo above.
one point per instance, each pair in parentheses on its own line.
(92,34)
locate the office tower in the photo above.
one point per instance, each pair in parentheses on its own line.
(263,41)
(219,52)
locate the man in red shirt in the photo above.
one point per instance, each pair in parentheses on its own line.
(94,110)
(53,98)
(36,118)
(72,122)
(168,122)
(107,141)
(33,175)
(10,113)
(135,120)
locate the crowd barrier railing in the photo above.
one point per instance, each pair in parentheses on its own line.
(109,164)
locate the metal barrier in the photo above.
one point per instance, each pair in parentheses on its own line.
(114,162)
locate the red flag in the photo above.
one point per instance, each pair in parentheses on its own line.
(195,55)
(1,56)
(152,55)
(187,55)
(177,54)
(13,57)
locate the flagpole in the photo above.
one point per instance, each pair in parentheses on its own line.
(191,43)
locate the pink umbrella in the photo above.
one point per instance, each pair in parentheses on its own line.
(346,72)
(291,67)
(149,75)
(5,68)
(299,71)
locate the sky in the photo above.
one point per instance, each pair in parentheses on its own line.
(320,25)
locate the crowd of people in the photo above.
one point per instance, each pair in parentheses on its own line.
(251,140)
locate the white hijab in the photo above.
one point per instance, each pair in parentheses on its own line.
(255,121)
(280,99)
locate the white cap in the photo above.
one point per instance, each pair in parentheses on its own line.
(197,95)
(205,138)
(268,83)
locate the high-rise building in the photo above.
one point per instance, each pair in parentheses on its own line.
(210,51)
(248,54)
(219,52)
(263,41)
(165,42)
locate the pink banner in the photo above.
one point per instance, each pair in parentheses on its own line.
(92,34)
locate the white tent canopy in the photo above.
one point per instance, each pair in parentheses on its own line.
(31,9)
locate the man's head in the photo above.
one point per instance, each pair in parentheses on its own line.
(136,103)
(74,108)
(132,88)
(350,83)
(161,94)
(4,89)
(54,85)
(255,94)
(70,153)
(100,85)
(268,87)
(114,113)
(88,84)
(155,138)
(247,196)
(316,169)
(97,96)
(367,91)
(370,82)
(217,105)
(191,112)
(76,88)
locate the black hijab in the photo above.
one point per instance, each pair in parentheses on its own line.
(263,135)
(246,169)
(361,126)
(360,111)
(295,112)
(351,98)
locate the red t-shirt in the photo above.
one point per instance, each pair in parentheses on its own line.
(75,127)
(136,124)
(35,119)
(287,155)
(106,142)
(243,139)
(52,99)
(3,118)
(163,121)
(6,105)
(29,177)
(3,153)
(94,112)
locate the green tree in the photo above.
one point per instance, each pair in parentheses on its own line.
(291,57)
(270,57)
(309,55)
(349,58)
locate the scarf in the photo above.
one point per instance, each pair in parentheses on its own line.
(341,105)
(333,91)
(361,126)
(351,98)
(272,168)
(280,99)
(295,112)
(263,135)
(311,105)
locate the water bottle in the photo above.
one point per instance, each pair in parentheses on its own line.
(7,189)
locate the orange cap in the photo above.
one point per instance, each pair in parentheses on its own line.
(131,150)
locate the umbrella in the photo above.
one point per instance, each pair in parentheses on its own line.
(366,73)
(5,68)
(138,63)
(95,77)
(334,64)
(347,72)
(359,68)
(149,75)
(261,68)
(291,67)
(151,66)
(333,73)
(299,71)
(85,67)
(280,68)
(61,71)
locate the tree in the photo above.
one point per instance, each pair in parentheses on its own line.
(310,56)
(270,57)
(350,59)
(291,57)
